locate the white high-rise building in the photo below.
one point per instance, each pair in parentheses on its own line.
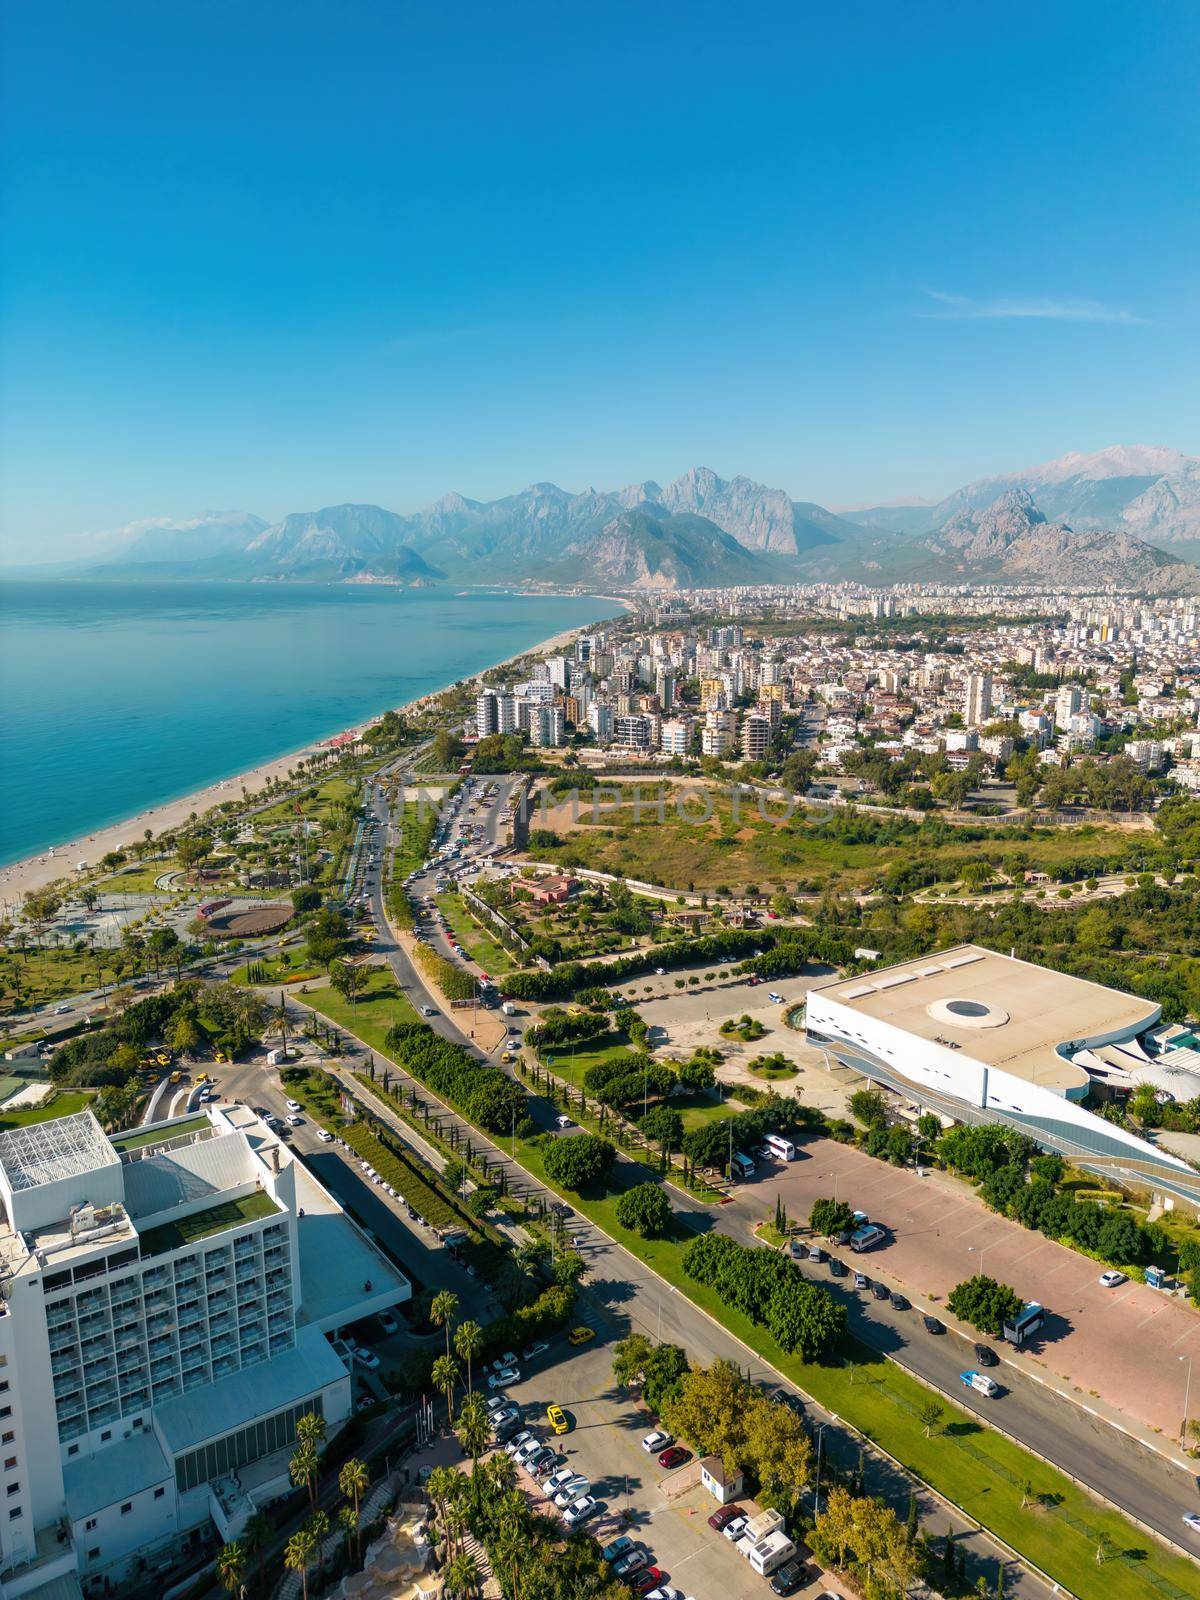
(486,714)
(547,726)
(717,735)
(600,721)
(977,699)
(676,736)
(1067,704)
(756,737)
(167,1300)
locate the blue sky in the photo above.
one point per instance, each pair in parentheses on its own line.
(277,256)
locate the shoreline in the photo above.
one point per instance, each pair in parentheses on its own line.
(35,871)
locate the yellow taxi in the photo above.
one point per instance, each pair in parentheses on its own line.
(557,1418)
(163,1058)
(581,1335)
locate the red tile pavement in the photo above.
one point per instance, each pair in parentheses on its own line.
(1122,1344)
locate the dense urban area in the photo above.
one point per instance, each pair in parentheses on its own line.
(709,1111)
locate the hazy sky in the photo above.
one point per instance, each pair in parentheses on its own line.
(280,255)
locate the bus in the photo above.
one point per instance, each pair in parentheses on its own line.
(782,1149)
(742,1165)
(1025,1324)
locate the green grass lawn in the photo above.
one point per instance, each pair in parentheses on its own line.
(62,1104)
(480,945)
(39,977)
(288,967)
(136,1138)
(202,1224)
(374,1011)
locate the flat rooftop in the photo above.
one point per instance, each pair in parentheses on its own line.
(202,1224)
(1003,1012)
(45,1152)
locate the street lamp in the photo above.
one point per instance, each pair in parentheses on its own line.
(980,1250)
(817,1481)
(1187,1389)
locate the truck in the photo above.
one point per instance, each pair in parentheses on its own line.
(509,1009)
(980,1382)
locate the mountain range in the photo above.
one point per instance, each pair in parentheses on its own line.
(1127,516)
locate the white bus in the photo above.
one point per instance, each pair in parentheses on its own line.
(782,1149)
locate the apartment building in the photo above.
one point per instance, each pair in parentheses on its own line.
(167,1296)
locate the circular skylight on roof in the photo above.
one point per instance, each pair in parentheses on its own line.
(967,1014)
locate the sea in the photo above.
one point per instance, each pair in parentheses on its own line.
(117,696)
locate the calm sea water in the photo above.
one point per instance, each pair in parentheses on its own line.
(118,696)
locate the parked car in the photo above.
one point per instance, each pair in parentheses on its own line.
(518,1441)
(1111,1278)
(388,1323)
(620,1546)
(932,1325)
(501,1379)
(837,1268)
(665,1591)
(586,1507)
(735,1527)
(861,1281)
(581,1335)
(570,1492)
(531,1351)
(632,1560)
(789,1577)
(557,1419)
(647,1580)
(366,1358)
(900,1302)
(658,1440)
(674,1457)
(558,1481)
(724,1515)
(881,1291)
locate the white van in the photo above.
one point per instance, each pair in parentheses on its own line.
(782,1149)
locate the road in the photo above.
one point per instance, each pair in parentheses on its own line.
(1111,1463)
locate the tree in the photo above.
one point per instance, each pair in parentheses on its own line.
(929,1414)
(231,1567)
(462,1574)
(985,1303)
(185,1034)
(580,1161)
(442,1310)
(630,1358)
(302,1468)
(645,1210)
(445,1376)
(348,980)
(870,1108)
(663,1126)
(830,1217)
(709,1409)
(473,1429)
(353,1481)
(298,1554)
(468,1342)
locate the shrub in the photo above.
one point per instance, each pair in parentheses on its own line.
(985,1303)
(644,1209)
(580,1161)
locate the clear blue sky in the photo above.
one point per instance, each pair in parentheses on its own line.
(279,255)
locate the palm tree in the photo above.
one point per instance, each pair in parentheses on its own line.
(468,1342)
(311,1429)
(441,1312)
(445,1376)
(231,1567)
(302,1468)
(297,1554)
(444,1483)
(352,1481)
(462,1575)
(318,1525)
(473,1431)
(255,1536)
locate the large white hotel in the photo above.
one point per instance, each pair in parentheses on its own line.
(983,1037)
(169,1300)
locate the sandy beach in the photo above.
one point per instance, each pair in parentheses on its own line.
(36,871)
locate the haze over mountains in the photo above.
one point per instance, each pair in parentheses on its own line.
(1128,515)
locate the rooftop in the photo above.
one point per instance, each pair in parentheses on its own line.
(1000,1011)
(158,1133)
(44,1152)
(214,1219)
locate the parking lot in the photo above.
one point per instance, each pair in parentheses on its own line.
(667,1511)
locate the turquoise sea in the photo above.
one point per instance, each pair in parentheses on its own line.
(118,696)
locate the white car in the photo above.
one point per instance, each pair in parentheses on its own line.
(571,1491)
(658,1440)
(388,1323)
(292,1105)
(1111,1278)
(778,998)
(575,1515)
(501,1379)
(1192,1518)
(508,1359)
(293,1120)
(366,1358)
(563,1122)
(518,1441)
(496,1402)
(558,1481)
(665,1591)
(734,1530)
(324,1135)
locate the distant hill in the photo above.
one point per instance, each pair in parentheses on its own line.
(701,530)
(1149,491)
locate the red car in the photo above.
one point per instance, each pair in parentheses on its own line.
(724,1514)
(649,1578)
(674,1457)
